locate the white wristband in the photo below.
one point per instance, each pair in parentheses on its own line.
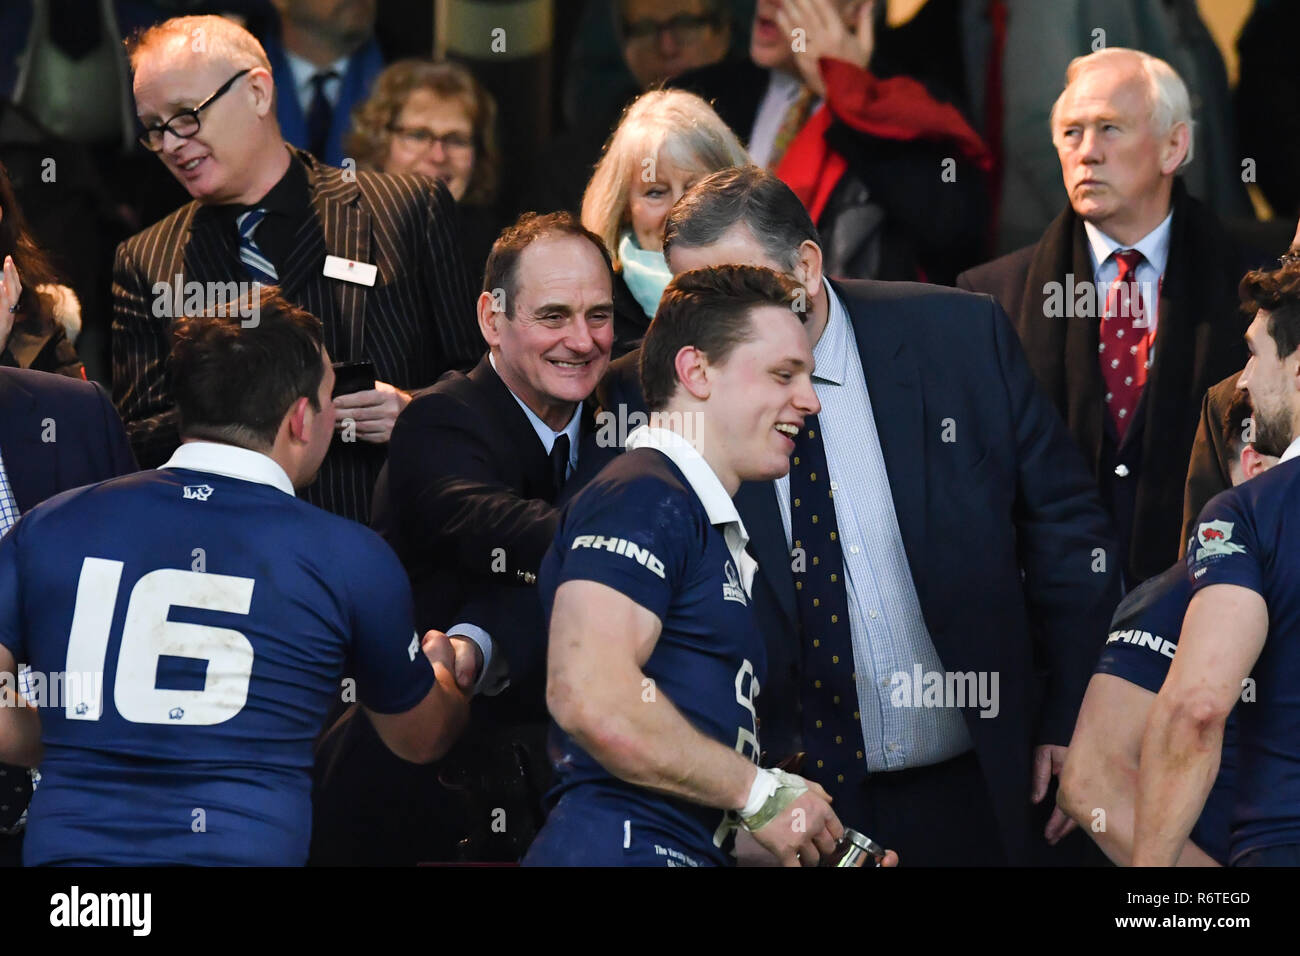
(764,786)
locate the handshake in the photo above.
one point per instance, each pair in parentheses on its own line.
(459,655)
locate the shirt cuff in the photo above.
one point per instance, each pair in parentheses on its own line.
(492,678)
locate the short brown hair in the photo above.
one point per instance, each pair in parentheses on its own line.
(1277,291)
(371,121)
(502,271)
(234,380)
(710,310)
(767,207)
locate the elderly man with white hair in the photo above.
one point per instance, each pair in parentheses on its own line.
(1126,305)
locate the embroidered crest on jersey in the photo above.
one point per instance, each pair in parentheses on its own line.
(198,492)
(1216,538)
(731,588)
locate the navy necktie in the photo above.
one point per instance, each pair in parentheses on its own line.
(832,731)
(258,267)
(320,114)
(560,461)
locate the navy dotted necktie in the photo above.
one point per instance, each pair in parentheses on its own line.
(832,731)
(258,267)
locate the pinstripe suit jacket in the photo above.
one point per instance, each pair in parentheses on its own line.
(415,323)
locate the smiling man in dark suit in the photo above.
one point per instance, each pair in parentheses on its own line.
(477,467)
(1126,306)
(375,257)
(56,433)
(938,529)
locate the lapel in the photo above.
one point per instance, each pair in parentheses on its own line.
(1183,295)
(519,438)
(338,226)
(212,252)
(1062,351)
(758,509)
(30,464)
(1084,387)
(897,405)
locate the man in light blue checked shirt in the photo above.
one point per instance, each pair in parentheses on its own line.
(931,685)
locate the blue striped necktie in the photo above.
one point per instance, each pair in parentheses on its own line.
(258,267)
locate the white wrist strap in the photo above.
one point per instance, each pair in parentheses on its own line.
(764,786)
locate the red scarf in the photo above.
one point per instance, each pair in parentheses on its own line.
(898,108)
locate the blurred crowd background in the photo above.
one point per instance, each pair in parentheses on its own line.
(543,84)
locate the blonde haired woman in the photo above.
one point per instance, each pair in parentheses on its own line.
(666,141)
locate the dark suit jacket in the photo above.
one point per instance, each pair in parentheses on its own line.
(1207,470)
(468,502)
(57,433)
(415,323)
(363,66)
(1011,493)
(1198,342)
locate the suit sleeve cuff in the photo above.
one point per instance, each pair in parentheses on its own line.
(492,678)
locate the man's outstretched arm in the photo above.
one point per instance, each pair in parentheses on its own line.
(1223,635)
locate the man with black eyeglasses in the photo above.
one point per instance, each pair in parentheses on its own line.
(376,257)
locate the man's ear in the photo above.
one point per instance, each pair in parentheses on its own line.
(262,87)
(1254,462)
(491,308)
(299,420)
(1177,143)
(808,267)
(692,367)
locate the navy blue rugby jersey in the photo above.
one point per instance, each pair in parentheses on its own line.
(1248,536)
(641,529)
(197,626)
(1139,649)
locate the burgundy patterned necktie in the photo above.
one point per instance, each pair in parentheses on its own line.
(1124,352)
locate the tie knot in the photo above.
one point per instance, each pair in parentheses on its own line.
(247,222)
(1129,260)
(318,80)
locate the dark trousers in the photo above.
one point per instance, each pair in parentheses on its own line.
(931,816)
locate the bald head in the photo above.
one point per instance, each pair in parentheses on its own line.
(199,39)
(215,69)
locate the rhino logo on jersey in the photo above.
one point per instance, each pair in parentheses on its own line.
(176,713)
(1216,538)
(198,492)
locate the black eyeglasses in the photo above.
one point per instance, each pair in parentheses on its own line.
(683,28)
(417,137)
(185,123)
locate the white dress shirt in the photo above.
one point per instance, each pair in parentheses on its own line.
(782,90)
(1154,247)
(718,505)
(304,70)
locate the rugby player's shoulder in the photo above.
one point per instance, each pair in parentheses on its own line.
(642,479)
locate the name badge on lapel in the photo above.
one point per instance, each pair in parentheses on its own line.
(350,271)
